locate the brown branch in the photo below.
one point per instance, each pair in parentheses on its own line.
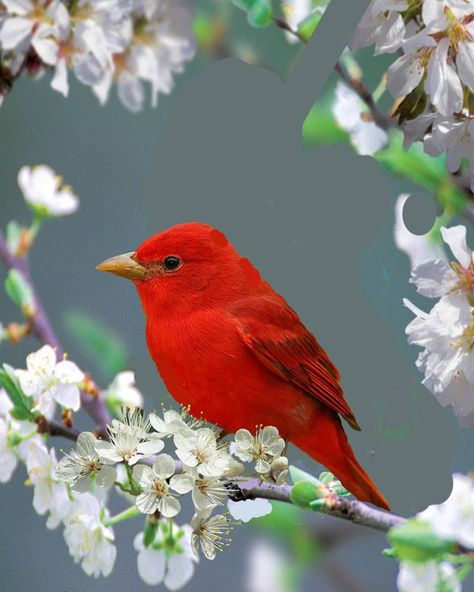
(41,327)
(348,509)
(53,428)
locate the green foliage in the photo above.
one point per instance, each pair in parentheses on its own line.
(13,235)
(424,170)
(98,342)
(320,127)
(21,403)
(259,12)
(415,541)
(308,25)
(20,291)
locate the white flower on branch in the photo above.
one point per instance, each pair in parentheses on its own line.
(49,382)
(130,440)
(202,452)
(50,495)
(352,116)
(8,458)
(453,520)
(173,422)
(435,278)
(157,483)
(169,560)
(43,190)
(382,25)
(82,465)
(89,540)
(32,23)
(122,391)
(295,11)
(210,533)
(447,335)
(262,448)
(427,577)
(162,41)
(207,491)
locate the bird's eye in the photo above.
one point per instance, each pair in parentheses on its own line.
(172,262)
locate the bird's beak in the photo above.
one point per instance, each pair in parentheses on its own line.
(124,266)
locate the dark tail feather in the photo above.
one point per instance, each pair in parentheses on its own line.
(327,443)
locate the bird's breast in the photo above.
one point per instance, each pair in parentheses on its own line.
(206,365)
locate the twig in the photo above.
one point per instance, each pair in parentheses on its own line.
(43,330)
(364,93)
(348,509)
(54,428)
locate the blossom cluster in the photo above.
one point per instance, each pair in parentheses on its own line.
(128,42)
(433,77)
(446,332)
(129,457)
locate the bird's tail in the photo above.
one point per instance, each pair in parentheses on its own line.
(327,443)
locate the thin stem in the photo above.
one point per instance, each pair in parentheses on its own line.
(131,512)
(41,327)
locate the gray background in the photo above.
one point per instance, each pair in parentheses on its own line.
(317,223)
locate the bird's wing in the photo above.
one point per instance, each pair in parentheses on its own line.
(277,337)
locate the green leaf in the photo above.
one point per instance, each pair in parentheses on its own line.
(22,404)
(102,345)
(415,541)
(300,475)
(19,291)
(306,493)
(320,127)
(13,234)
(260,13)
(243,4)
(149,533)
(308,25)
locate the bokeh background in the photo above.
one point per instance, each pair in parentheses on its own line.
(109,156)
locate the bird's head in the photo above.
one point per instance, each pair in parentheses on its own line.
(186,267)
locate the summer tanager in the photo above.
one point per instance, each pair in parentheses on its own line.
(232,350)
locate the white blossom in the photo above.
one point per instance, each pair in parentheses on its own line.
(130,440)
(210,533)
(89,540)
(262,448)
(435,278)
(427,577)
(158,483)
(162,41)
(50,495)
(44,191)
(353,117)
(82,466)
(173,422)
(295,11)
(123,391)
(8,458)
(207,491)
(382,25)
(168,560)
(201,451)
(31,22)
(267,568)
(447,334)
(453,520)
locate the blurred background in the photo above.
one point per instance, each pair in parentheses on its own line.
(108,155)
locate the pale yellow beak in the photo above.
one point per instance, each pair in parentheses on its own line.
(124,266)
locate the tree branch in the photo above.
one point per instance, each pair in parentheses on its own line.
(41,327)
(347,509)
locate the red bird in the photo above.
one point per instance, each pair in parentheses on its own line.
(231,348)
